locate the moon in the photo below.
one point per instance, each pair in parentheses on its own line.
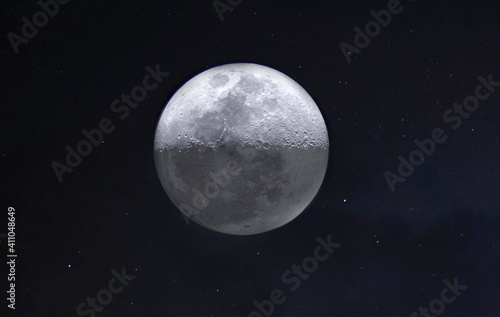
(241,149)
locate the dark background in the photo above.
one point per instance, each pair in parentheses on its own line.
(111,211)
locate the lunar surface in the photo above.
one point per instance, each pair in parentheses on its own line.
(241,149)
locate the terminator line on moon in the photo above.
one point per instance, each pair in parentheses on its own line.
(241,149)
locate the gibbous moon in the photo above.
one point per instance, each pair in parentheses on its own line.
(241,149)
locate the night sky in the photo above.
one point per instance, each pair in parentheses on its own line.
(400,248)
